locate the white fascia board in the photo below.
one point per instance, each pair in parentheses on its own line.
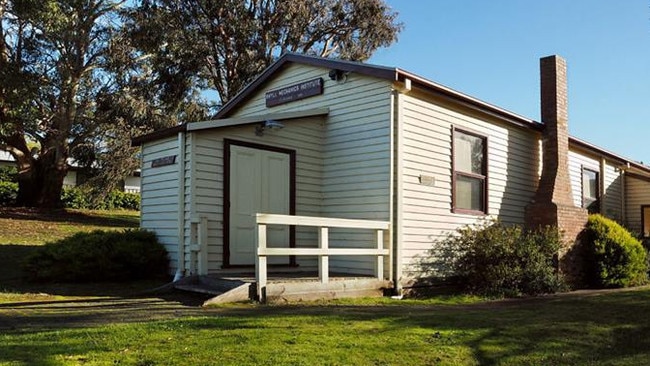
(227,122)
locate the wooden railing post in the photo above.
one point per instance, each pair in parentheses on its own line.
(194,247)
(260,263)
(380,258)
(203,246)
(323,260)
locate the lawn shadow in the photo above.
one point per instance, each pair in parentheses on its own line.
(72,217)
(599,328)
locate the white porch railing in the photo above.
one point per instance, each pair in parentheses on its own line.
(323,252)
(199,245)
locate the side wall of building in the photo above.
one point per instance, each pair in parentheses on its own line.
(637,192)
(159,208)
(610,184)
(513,172)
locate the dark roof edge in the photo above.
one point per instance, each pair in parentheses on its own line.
(157,135)
(470,101)
(606,153)
(390,74)
(350,66)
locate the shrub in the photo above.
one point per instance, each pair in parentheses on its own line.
(8,193)
(499,260)
(614,257)
(9,174)
(75,197)
(99,256)
(81,198)
(122,200)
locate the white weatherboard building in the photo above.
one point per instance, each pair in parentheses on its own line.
(314,140)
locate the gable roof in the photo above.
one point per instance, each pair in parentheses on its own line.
(391,74)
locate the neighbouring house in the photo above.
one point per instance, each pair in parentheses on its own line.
(75,176)
(349,170)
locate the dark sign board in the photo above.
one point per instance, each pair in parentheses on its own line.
(167,160)
(294,92)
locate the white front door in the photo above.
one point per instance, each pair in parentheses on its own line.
(259,183)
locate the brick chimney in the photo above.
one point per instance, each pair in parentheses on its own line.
(553,204)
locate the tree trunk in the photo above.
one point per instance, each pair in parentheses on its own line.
(40,182)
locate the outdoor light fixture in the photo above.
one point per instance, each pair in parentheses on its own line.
(269,124)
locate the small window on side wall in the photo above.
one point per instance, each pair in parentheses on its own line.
(590,190)
(469,161)
(645,220)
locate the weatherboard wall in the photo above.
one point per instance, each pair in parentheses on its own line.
(205,190)
(427,215)
(609,174)
(637,195)
(159,204)
(343,159)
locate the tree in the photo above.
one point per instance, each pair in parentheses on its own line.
(51,57)
(79,78)
(224,44)
(68,91)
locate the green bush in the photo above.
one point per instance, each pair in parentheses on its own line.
(122,200)
(499,260)
(9,174)
(75,197)
(99,256)
(8,193)
(614,257)
(80,198)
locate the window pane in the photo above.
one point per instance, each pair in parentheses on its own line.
(590,184)
(469,193)
(590,191)
(468,153)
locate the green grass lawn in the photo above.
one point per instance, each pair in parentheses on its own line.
(118,324)
(22,226)
(605,328)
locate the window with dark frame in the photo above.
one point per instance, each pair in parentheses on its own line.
(645,220)
(470,172)
(590,190)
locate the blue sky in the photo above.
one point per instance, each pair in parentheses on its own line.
(491,49)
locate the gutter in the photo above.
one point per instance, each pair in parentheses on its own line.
(180,270)
(399,182)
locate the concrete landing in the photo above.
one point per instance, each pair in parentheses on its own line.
(222,290)
(282,287)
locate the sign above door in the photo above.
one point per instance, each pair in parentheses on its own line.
(294,92)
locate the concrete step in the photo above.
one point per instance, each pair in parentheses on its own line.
(222,290)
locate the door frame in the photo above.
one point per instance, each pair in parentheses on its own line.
(227,143)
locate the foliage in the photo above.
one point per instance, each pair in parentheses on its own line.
(62,97)
(79,79)
(75,197)
(81,198)
(8,193)
(8,174)
(99,256)
(615,258)
(499,260)
(234,40)
(53,53)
